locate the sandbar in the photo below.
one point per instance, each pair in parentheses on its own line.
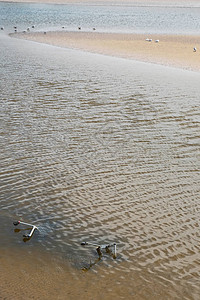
(170,50)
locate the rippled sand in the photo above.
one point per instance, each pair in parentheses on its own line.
(170,50)
(39,275)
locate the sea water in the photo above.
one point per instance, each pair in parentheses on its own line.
(105,18)
(101,149)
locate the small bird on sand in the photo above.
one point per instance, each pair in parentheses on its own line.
(194,49)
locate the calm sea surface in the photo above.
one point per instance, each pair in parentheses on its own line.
(101,149)
(145,19)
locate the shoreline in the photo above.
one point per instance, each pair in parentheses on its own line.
(169,50)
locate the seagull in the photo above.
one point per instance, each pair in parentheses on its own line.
(156,41)
(149,40)
(194,49)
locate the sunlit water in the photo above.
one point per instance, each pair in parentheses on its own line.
(141,19)
(105,150)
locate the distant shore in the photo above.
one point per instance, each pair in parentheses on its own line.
(173,3)
(170,50)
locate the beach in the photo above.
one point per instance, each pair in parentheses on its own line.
(170,50)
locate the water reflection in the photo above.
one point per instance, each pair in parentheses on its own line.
(26,238)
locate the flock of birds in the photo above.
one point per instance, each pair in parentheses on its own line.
(15,28)
(157,41)
(150,40)
(33,26)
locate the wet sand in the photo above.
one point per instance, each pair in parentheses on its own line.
(170,50)
(39,275)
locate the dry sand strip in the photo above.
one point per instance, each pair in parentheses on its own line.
(170,50)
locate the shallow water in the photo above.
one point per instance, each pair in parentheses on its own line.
(98,149)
